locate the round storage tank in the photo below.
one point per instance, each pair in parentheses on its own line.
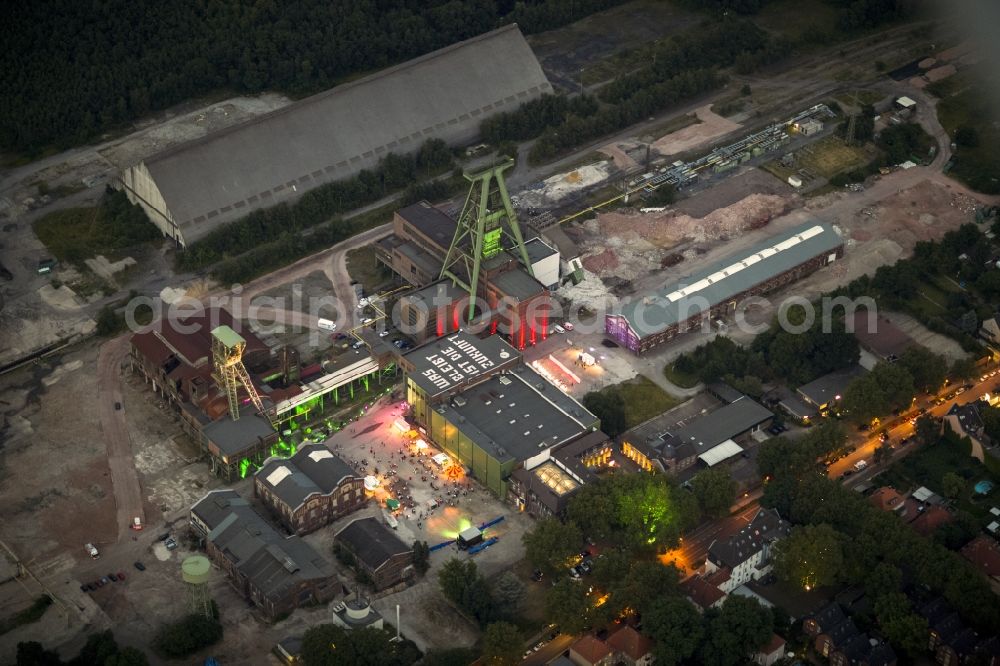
(195,569)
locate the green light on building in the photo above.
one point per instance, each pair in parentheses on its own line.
(491,243)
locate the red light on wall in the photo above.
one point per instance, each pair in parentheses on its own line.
(493,327)
(533,338)
(440,327)
(455,315)
(545,325)
(521,343)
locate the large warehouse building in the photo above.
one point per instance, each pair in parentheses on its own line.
(193,188)
(658,317)
(519,298)
(479,402)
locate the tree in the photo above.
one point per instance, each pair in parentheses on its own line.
(454,578)
(331,645)
(128,656)
(952,484)
(508,592)
(736,631)
(967,137)
(502,643)
(927,368)
(883,452)
(551,543)
(567,605)
(609,406)
(811,556)
(107,321)
(647,581)
(450,657)
(715,491)
(927,429)
(31,653)
(963,368)
(676,627)
(904,629)
(421,557)
(187,636)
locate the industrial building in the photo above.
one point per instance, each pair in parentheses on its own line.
(710,438)
(235,416)
(545,490)
(309,490)
(827,391)
(478,401)
(514,287)
(195,187)
(277,573)
(377,552)
(659,316)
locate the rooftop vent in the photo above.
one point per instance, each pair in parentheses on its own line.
(505,380)
(459,401)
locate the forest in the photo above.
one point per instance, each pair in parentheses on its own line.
(72,71)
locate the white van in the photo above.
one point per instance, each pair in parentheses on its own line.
(326,325)
(860,465)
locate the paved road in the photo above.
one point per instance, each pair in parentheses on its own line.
(867,443)
(550,651)
(124,478)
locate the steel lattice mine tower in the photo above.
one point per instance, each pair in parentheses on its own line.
(227,360)
(487,220)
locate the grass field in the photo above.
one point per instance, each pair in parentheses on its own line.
(678,378)
(643,399)
(794,18)
(977,166)
(362,266)
(824,158)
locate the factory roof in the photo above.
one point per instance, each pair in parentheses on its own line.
(435,295)
(430,221)
(189,335)
(517,415)
(568,249)
(697,293)
(517,284)
(445,94)
(708,431)
(830,386)
(372,543)
(274,564)
(312,470)
(234,437)
(458,359)
(538,249)
(723,451)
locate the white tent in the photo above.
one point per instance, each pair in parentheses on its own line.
(723,451)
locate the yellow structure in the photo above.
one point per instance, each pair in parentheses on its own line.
(227,359)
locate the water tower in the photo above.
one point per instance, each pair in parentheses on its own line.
(194,571)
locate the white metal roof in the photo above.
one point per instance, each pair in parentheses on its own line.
(319,454)
(278,475)
(922,494)
(905,102)
(723,451)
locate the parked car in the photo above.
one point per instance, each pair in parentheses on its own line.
(113,578)
(105,580)
(558,329)
(568,325)
(121,575)
(170,543)
(140,566)
(384,333)
(118,406)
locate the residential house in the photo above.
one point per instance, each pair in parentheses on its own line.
(702,593)
(377,551)
(630,647)
(771,652)
(984,554)
(836,637)
(887,499)
(589,650)
(747,554)
(965,420)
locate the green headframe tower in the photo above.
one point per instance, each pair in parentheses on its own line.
(486,227)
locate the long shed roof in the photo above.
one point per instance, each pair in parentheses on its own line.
(657,310)
(330,136)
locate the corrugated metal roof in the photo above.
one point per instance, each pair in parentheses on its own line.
(333,135)
(723,451)
(655,311)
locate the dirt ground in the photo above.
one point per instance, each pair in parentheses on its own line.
(712,126)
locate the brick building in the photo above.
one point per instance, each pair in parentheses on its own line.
(377,551)
(309,490)
(277,573)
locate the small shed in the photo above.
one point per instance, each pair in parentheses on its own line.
(794,181)
(468,537)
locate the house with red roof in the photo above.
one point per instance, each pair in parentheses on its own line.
(631,647)
(590,650)
(984,554)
